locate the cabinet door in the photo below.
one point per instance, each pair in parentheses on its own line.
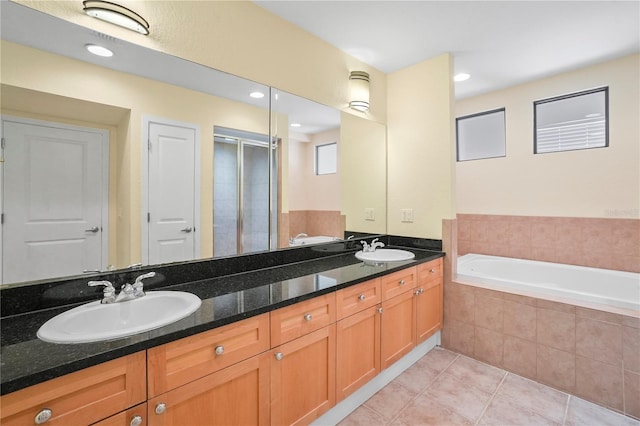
(136,416)
(428,310)
(83,397)
(236,395)
(358,351)
(303,382)
(398,328)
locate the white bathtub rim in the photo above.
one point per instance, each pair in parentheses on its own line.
(546,293)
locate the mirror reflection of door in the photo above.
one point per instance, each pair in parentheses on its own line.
(173,192)
(241,194)
(55,197)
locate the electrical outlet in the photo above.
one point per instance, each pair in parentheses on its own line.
(369,213)
(406,215)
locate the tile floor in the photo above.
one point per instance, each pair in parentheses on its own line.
(445,388)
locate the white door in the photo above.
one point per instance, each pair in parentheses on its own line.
(55,194)
(173,192)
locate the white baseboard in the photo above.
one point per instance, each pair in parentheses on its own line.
(356,399)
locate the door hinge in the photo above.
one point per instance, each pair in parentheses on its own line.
(2,143)
(148,217)
(1,218)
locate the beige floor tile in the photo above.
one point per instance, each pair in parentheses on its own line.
(584,413)
(424,411)
(363,416)
(477,374)
(504,411)
(438,359)
(459,396)
(390,400)
(417,378)
(533,396)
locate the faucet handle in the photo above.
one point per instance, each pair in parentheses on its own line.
(108,293)
(137,285)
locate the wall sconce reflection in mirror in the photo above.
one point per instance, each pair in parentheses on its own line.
(116,14)
(359,86)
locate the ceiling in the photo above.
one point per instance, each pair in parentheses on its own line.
(500,43)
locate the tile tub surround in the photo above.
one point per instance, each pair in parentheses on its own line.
(26,360)
(316,222)
(592,354)
(596,242)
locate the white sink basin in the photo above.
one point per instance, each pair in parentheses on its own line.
(385,255)
(96,322)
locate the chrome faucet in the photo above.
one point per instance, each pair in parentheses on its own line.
(300,235)
(127,291)
(368,248)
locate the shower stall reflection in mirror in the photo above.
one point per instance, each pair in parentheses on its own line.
(244,206)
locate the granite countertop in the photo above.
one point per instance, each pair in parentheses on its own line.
(25,360)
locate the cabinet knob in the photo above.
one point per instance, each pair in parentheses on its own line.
(136,420)
(433,271)
(402,282)
(308,317)
(161,408)
(362,297)
(219,350)
(279,356)
(43,416)
(379,310)
(417,292)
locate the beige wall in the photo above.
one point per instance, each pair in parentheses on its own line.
(601,182)
(309,191)
(420,147)
(241,38)
(24,67)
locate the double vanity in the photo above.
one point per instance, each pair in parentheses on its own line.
(272,341)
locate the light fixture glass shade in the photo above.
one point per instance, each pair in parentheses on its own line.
(116,14)
(359,86)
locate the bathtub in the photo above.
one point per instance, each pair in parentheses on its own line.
(604,289)
(301,241)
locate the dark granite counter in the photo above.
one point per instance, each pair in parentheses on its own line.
(25,360)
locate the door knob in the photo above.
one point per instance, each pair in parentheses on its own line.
(187,229)
(95,229)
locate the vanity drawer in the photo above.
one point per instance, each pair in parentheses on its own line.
(82,397)
(398,282)
(359,297)
(430,273)
(185,360)
(302,318)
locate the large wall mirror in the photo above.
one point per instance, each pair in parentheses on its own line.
(147,158)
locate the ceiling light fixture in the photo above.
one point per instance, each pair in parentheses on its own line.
(296,125)
(99,50)
(359,86)
(116,14)
(257,95)
(461,77)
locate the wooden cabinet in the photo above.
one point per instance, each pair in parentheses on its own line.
(236,395)
(356,298)
(398,327)
(429,300)
(303,378)
(398,282)
(185,360)
(302,318)
(136,416)
(82,397)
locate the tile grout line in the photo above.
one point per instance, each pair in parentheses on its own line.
(492,397)
(566,410)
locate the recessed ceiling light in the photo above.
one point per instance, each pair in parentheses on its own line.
(99,50)
(461,76)
(257,95)
(296,124)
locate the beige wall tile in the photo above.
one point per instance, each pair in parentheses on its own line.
(631,348)
(489,346)
(599,382)
(460,303)
(520,320)
(601,341)
(595,314)
(556,368)
(556,329)
(458,336)
(556,306)
(488,312)
(632,394)
(525,300)
(520,356)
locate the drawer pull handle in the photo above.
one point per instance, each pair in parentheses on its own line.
(379,310)
(279,356)
(419,291)
(308,317)
(362,297)
(161,408)
(402,282)
(433,271)
(136,421)
(43,416)
(219,350)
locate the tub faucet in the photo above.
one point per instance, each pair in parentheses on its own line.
(300,235)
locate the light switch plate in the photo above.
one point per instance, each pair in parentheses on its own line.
(369,213)
(406,215)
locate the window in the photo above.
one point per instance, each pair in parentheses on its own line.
(570,122)
(481,135)
(327,159)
